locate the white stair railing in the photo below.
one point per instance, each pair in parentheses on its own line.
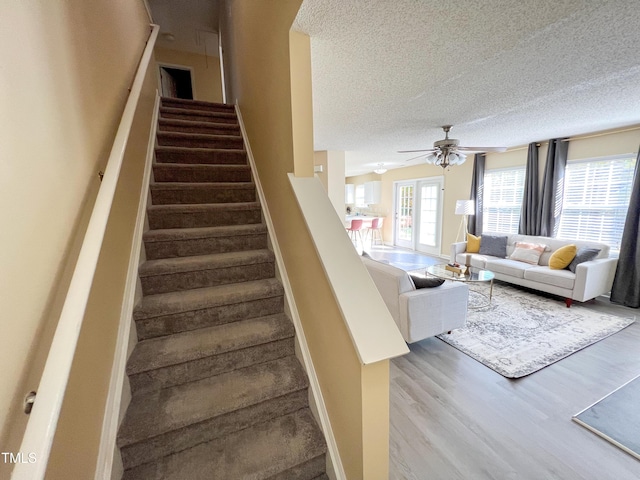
(43,420)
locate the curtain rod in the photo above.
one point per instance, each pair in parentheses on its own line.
(579,137)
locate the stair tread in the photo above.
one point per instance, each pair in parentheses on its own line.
(200,298)
(155,413)
(194,123)
(203,207)
(167,266)
(187,101)
(172,234)
(203,136)
(202,166)
(173,148)
(203,185)
(196,112)
(258,452)
(187,346)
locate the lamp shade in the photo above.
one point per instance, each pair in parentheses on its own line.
(465,207)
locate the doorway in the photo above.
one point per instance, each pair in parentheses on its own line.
(418,214)
(176,82)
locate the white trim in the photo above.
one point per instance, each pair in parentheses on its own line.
(314,384)
(43,420)
(110,422)
(176,66)
(148,9)
(222,79)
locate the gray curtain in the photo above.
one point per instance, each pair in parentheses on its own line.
(550,206)
(529,214)
(477,190)
(626,284)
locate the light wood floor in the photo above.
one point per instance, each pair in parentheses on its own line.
(454,418)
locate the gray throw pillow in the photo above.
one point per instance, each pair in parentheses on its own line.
(426,282)
(585,254)
(494,245)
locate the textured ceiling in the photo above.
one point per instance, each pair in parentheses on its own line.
(387,74)
(193,24)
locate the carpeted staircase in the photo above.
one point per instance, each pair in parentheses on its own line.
(218,392)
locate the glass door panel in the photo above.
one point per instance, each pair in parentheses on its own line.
(404,214)
(429,216)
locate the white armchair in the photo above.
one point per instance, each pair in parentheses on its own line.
(419,313)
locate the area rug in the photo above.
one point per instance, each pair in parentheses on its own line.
(616,417)
(521,332)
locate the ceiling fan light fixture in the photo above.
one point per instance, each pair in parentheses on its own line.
(380,170)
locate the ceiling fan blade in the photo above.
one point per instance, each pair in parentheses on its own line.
(482,149)
(419,156)
(416,151)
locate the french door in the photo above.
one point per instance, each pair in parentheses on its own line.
(419,214)
(405,193)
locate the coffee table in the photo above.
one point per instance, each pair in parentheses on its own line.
(473,275)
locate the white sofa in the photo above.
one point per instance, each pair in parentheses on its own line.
(590,280)
(419,313)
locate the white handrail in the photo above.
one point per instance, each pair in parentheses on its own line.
(41,428)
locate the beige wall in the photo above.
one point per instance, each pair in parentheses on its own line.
(458,179)
(69,66)
(457,184)
(88,386)
(257,56)
(332,177)
(206,72)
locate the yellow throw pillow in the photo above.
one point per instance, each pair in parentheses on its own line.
(562,257)
(473,244)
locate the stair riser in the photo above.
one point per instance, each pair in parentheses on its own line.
(190,371)
(200,157)
(191,320)
(169,103)
(309,470)
(204,246)
(202,195)
(169,140)
(148,451)
(195,117)
(176,282)
(188,173)
(213,218)
(206,129)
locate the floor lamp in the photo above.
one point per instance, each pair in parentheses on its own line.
(464,208)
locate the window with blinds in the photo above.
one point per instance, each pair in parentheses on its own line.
(596,199)
(502,199)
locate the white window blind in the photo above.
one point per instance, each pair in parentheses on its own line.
(596,199)
(502,199)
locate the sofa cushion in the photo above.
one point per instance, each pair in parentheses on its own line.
(584,254)
(557,278)
(493,245)
(473,243)
(513,268)
(426,282)
(528,252)
(390,282)
(562,257)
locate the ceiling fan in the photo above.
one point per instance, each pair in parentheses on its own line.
(447,152)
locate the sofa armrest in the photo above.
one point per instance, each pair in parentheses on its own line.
(430,311)
(594,278)
(457,248)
